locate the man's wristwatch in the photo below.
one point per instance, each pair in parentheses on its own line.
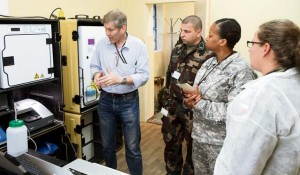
(124,81)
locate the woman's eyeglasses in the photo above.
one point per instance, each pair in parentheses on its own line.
(251,43)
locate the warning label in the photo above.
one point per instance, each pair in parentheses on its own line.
(36,76)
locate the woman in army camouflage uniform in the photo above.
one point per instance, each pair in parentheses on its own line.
(219,80)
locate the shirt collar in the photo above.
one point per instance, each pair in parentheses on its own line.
(128,41)
(286,73)
(223,64)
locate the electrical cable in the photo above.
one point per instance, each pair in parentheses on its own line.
(35,146)
(67,135)
(66,146)
(23,17)
(29,136)
(51,15)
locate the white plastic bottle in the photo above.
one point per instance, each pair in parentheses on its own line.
(16,134)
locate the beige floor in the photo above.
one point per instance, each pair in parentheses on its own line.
(152,150)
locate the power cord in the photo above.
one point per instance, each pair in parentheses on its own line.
(52,15)
(65,131)
(60,14)
(29,136)
(69,139)
(23,17)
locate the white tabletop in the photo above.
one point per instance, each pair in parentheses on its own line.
(92,168)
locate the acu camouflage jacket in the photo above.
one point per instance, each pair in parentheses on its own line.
(187,64)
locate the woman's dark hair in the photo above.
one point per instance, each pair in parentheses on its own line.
(284,38)
(230,30)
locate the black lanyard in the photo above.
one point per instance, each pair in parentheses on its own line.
(207,73)
(121,55)
(279,69)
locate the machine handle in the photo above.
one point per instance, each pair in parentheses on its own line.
(96,17)
(80,16)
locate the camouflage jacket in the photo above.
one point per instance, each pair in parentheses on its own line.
(187,64)
(219,83)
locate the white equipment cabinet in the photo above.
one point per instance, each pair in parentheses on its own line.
(26,54)
(88,38)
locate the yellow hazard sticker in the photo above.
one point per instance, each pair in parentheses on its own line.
(36,76)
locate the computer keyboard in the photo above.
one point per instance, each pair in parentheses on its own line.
(28,165)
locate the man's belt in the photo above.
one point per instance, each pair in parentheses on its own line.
(118,95)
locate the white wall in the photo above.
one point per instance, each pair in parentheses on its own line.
(70,7)
(250,14)
(3,7)
(174,12)
(159,60)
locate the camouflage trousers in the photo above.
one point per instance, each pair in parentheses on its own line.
(175,129)
(204,157)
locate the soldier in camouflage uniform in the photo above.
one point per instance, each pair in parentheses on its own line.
(186,58)
(220,79)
